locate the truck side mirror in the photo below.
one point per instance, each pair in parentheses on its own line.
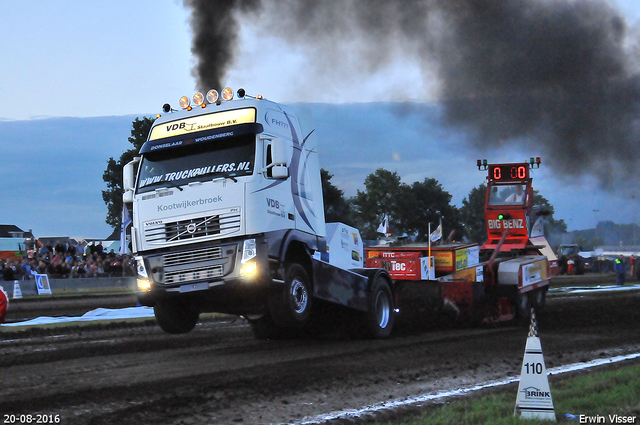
(129,180)
(279,159)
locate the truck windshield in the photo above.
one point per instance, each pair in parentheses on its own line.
(509,194)
(230,157)
(566,250)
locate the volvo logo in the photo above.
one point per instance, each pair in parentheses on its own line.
(191,228)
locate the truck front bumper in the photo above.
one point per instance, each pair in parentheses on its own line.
(226,277)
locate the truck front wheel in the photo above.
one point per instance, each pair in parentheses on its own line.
(290,307)
(176,316)
(381,316)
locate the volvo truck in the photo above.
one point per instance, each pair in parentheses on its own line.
(228,216)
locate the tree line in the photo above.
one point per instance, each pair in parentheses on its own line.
(409,207)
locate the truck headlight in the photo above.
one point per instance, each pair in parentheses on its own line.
(248,250)
(144,284)
(248,267)
(140,267)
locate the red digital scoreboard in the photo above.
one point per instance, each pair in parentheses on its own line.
(509,172)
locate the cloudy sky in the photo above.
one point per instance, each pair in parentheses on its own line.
(125,59)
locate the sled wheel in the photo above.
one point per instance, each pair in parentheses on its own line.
(290,307)
(538,298)
(523,309)
(176,316)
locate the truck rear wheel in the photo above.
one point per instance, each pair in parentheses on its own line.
(380,318)
(176,316)
(291,306)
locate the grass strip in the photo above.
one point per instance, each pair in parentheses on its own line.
(591,397)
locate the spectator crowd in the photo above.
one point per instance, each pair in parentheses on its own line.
(67,260)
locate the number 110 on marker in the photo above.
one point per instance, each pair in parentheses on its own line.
(533,368)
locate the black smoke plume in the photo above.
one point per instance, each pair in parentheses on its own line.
(553,76)
(214,24)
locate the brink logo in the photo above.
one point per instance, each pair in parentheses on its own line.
(533,392)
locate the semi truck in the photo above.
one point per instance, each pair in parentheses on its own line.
(228,216)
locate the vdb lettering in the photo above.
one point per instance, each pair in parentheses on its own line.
(174,127)
(513,223)
(273,203)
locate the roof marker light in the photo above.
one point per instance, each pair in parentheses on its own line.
(227,93)
(185,102)
(212,96)
(198,99)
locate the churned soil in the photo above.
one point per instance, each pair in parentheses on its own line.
(133,373)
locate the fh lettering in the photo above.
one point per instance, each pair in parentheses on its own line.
(279,123)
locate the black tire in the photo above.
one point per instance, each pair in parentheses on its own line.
(176,316)
(291,306)
(538,298)
(380,318)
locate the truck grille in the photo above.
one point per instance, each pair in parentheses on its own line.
(201,263)
(193,274)
(195,228)
(190,257)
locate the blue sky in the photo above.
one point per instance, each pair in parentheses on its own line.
(120,59)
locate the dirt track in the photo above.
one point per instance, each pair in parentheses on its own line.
(123,373)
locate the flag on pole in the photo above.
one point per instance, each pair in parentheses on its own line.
(384,225)
(436,235)
(126,221)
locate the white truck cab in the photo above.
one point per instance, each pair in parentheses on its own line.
(228,216)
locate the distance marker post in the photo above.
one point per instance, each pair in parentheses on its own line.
(534,394)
